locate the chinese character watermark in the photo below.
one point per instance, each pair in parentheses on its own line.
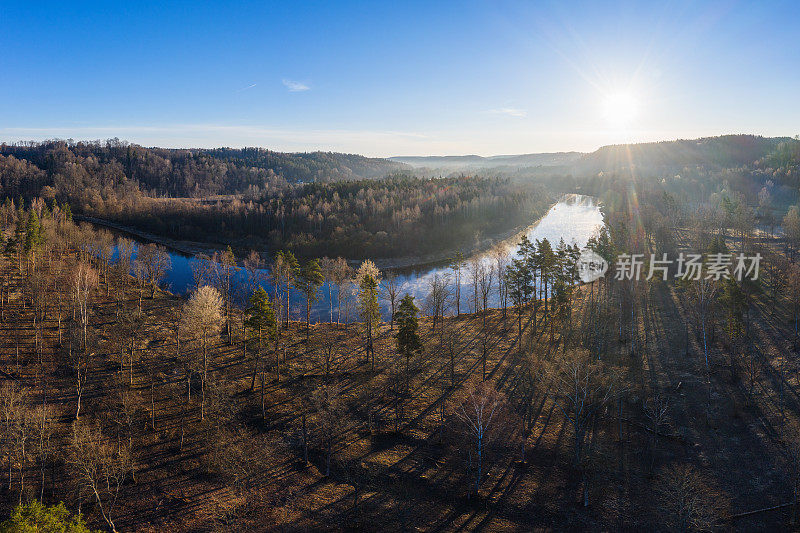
(688,266)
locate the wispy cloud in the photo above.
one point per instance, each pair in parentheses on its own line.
(510,111)
(296,86)
(245,88)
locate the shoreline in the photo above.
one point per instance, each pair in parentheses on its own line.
(506,238)
(407,263)
(187,248)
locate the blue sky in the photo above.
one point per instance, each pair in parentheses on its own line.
(398,78)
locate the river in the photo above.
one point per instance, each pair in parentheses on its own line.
(574,218)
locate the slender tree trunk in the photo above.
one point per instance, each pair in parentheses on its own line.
(305,439)
(255,365)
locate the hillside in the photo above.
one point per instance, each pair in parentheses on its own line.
(726,151)
(69,169)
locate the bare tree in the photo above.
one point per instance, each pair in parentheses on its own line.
(99,467)
(457,266)
(485,281)
(328,352)
(474,268)
(130,329)
(202,320)
(13,403)
(225,264)
(84,279)
(105,244)
(686,501)
(501,262)
(483,417)
(140,275)
(703,294)
(438,297)
(203,271)
(125,249)
(154,263)
(581,388)
(44,447)
(327,267)
(341,275)
(390,292)
(254,268)
(656,409)
(328,411)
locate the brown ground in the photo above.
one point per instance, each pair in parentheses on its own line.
(406,469)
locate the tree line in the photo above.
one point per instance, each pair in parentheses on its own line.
(394,217)
(486,384)
(255,198)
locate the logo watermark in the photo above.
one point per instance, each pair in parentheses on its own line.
(692,267)
(591,266)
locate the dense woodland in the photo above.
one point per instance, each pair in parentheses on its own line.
(635,404)
(393,217)
(312,204)
(115,169)
(333,204)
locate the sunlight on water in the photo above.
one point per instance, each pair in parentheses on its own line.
(575,218)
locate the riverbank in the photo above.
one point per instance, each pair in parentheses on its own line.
(572,218)
(509,237)
(187,248)
(503,240)
(407,263)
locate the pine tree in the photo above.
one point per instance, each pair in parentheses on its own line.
(33,235)
(20,235)
(261,319)
(546,261)
(286,270)
(368,305)
(408,340)
(309,280)
(518,280)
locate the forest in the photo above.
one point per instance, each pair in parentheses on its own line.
(318,203)
(646,403)
(120,168)
(392,217)
(312,204)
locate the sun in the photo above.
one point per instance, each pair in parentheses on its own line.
(620,109)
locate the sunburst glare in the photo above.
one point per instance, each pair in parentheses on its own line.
(620,109)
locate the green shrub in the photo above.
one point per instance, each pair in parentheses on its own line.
(37,518)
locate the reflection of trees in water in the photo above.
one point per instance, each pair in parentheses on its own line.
(575,218)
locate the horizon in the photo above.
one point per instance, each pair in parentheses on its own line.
(400,81)
(389,157)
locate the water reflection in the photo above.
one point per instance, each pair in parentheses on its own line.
(575,219)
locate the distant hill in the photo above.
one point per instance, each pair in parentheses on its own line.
(467,162)
(73,167)
(91,170)
(725,151)
(309,166)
